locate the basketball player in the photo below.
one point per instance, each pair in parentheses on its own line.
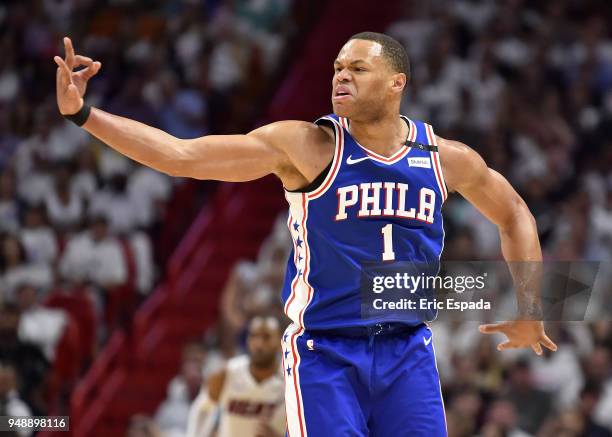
(364,184)
(248,391)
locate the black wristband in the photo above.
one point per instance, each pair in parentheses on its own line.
(80,117)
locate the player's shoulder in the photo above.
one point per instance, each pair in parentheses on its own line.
(289,133)
(453,148)
(460,163)
(237,363)
(307,148)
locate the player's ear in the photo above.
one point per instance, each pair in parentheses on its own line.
(398,82)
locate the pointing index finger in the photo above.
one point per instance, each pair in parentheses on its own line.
(69,52)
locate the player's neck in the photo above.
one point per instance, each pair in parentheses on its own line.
(260,374)
(384,136)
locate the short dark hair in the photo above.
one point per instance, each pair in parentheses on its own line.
(392,49)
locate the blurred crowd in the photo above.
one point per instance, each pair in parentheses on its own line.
(78,222)
(528,84)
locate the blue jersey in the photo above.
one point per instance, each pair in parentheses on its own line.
(368,209)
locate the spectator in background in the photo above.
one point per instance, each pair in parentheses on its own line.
(143,426)
(501,421)
(568,422)
(488,363)
(64,207)
(35,179)
(465,375)
(149,191)
(466,404)
(39,325)
(601,228)
(84,182)
(230,56)
(8,138)
(262,21)
(598,370)
(9,79)
(10,207)
(142,249)
(182,111)
(28,360)
(115,204)
(173,412)
(589,398)
(15,269)
(64,141)
(10,403)
(560,375)
(38,238)
(602,334)
(56,140)
(532,405)
(253,287)
(129,101)
(95,255)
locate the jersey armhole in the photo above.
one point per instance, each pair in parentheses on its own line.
(437,165)
(318,181)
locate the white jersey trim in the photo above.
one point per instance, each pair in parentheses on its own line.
(301,290)
(295,307)
(439,382)
(435,159)
(335,166)
(336,162)
(294,405)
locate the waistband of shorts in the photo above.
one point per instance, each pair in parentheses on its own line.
(370,330)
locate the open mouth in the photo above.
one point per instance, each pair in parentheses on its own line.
(342,94)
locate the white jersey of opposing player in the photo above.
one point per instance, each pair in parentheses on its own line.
(245,403)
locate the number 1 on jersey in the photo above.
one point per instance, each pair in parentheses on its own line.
(388,254)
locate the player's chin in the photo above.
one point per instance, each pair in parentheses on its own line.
(342,109)
(262,359)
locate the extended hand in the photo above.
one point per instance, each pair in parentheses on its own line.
(71,85)
(521,334)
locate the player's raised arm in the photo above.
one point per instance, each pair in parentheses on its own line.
(232,158)
(467,173)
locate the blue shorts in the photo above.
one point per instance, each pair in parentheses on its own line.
(383,385)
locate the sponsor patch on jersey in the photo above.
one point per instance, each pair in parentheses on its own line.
(419,162)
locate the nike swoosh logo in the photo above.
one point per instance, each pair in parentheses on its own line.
(351,161)
(427,340)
